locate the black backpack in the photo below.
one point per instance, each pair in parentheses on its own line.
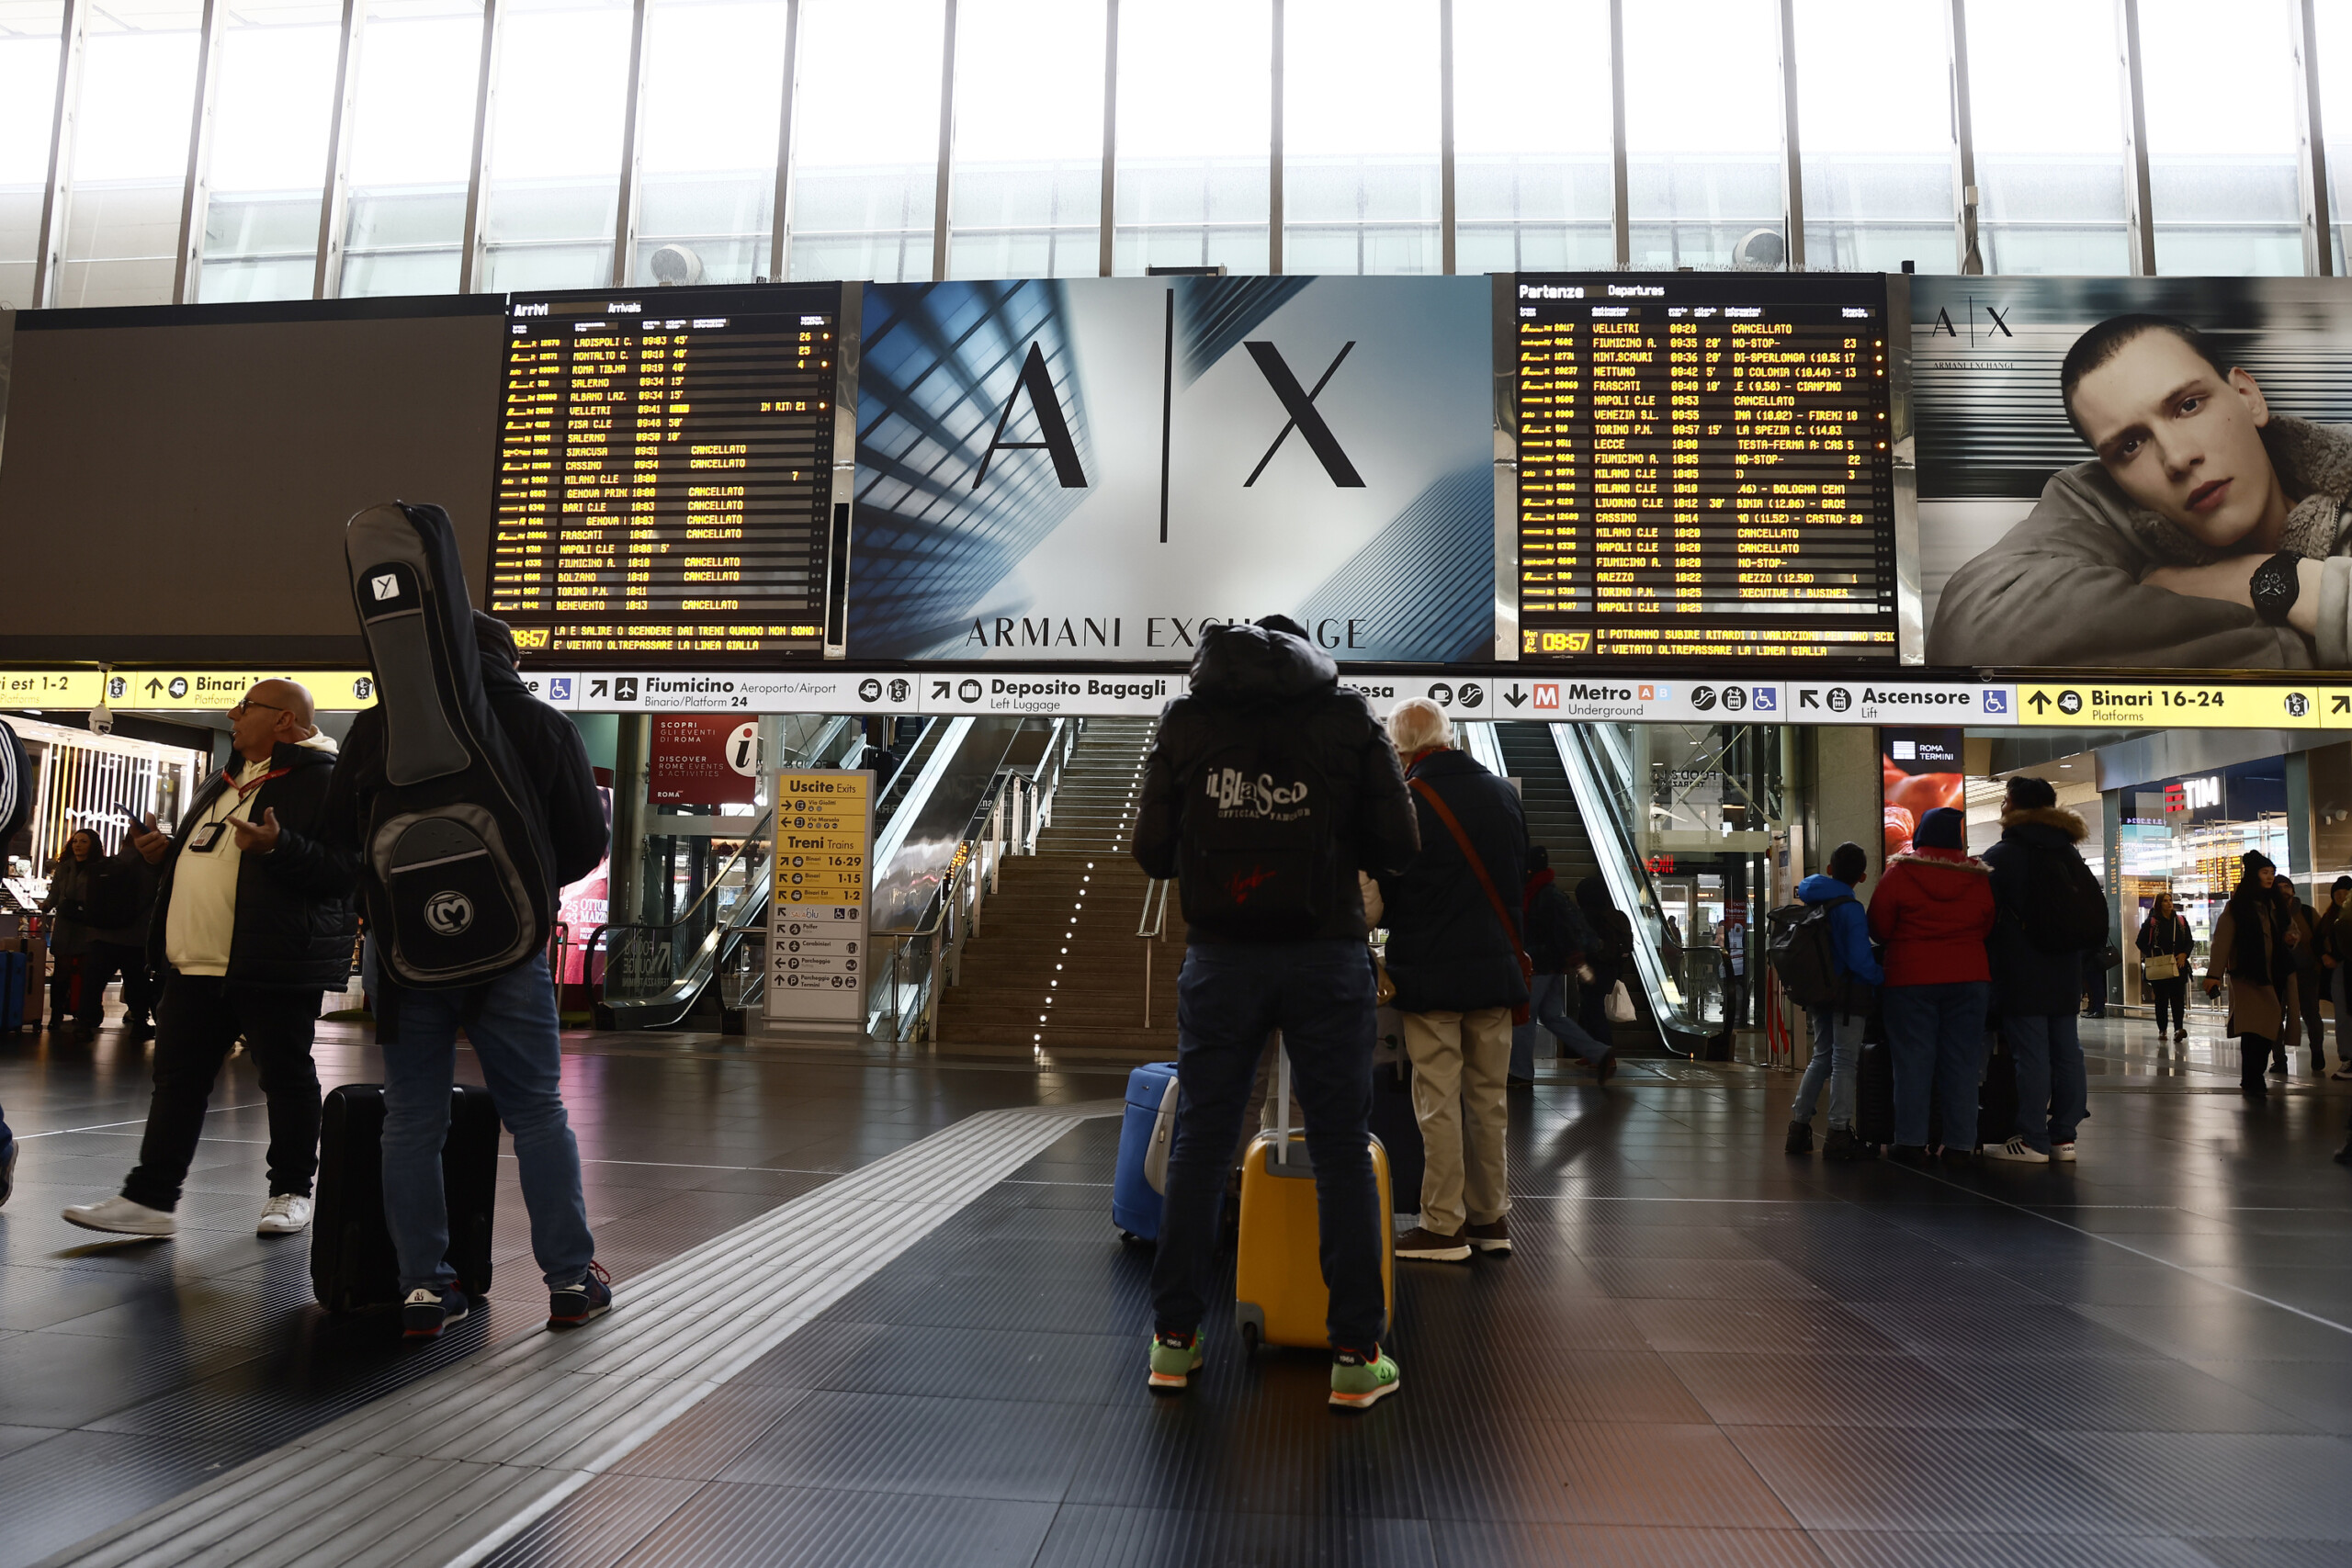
(1804,953)
(1257,845)
(2062,909)
(458,872)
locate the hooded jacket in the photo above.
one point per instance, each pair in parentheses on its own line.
(2062,587)
(1850,930)
(2248,954)
(1251,672)
(295,921)
(2027,982)
(1447,950)
(1933,910)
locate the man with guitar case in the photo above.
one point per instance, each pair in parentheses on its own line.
(462,803)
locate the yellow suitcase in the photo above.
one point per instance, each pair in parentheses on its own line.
(1279,1295)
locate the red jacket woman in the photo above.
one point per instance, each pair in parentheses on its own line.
(1933,911)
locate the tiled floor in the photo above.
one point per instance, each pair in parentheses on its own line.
(1704,1351)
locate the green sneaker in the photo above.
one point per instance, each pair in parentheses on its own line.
(1358,1383)
(1174,1359)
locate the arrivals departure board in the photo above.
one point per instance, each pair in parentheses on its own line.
(665,481)
(1704,466)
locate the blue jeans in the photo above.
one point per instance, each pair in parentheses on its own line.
(1936,1035)
(2053,1094)
(1547,1009)
(1228,998)
(511,1022)
(1837,1059)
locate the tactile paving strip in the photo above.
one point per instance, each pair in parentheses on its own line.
(453,1466)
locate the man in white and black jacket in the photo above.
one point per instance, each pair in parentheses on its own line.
(246,940)
(510,1019)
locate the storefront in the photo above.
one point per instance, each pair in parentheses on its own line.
(103,783)
(2188,834)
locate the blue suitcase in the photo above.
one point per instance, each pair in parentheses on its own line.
(1145,1137)
(12,992)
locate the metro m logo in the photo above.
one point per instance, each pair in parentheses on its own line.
(1547,694)
(1299,403)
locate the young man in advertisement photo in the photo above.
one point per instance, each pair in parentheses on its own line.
(2206,533)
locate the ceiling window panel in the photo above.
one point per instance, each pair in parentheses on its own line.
(271,115)
(2223,177)
(29,34)
(412,147)
(714,98)
(1195,134)
(552,195)
(2045,102)
(865,139)
(1532,135)
(1025,196)
(130,147)
(1703,133)
(1875,131)
(1362,134)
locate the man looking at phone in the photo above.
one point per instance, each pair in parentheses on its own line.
(245,943)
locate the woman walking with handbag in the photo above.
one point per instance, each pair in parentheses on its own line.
(2164,947)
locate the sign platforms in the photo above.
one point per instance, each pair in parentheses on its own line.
(817,936)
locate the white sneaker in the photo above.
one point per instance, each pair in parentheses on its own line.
(2017,1149)
(2343,1074)
(122,1217)
(284,1214)
(2064,1152)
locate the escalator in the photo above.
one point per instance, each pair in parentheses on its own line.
(1576,786)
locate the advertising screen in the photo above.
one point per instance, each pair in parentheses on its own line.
(665,472)
(2127,522)
(1706,466)
(1094,469)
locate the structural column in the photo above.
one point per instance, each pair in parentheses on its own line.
(334,199)
(195,196)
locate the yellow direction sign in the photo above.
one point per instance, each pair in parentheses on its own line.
(51,688)
(334,691)
(2182,706)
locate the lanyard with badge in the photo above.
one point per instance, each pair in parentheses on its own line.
(208,837)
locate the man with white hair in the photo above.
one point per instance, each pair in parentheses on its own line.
(1456,953)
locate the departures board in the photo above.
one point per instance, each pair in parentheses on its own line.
(665,478)
(1704,466)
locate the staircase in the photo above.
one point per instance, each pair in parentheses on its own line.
(1552,819)
(1056,972)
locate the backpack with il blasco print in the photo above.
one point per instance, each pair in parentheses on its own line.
(456,863)
(1257,839)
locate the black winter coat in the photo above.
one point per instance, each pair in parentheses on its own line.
(295,921)
(1446,950)
(1249,670)
(1557,937)
(2027,982)
(549,746)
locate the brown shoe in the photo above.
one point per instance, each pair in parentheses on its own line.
(1426,1244)
(1605,1068)
(1494,1239)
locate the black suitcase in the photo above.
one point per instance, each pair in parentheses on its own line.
(1875,1092)
(1399,1131)
(1996,1112)
(352,1264)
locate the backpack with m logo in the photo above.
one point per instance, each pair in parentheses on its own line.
(456,859)
(1256,842)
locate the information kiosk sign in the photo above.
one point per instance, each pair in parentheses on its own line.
(816,949)
(1706,466)
(665,475)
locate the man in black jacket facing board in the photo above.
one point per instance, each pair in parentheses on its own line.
(1271,781)
(510,1019)
(246,941)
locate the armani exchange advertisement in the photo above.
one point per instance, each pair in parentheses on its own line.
(1095,468)
(2134,473)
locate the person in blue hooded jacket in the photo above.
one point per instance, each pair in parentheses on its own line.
(1838,1029)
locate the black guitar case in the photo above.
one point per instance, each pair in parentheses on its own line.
(458,874)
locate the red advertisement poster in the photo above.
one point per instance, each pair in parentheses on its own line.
(703,758)
(1919,770)
(584,905)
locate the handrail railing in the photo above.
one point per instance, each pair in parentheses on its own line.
(656,967)
(1152,927)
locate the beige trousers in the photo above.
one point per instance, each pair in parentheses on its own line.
(1460,1060)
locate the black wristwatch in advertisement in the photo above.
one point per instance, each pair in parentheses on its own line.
(2275,587)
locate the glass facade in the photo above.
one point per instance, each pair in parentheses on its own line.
(1329,116)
